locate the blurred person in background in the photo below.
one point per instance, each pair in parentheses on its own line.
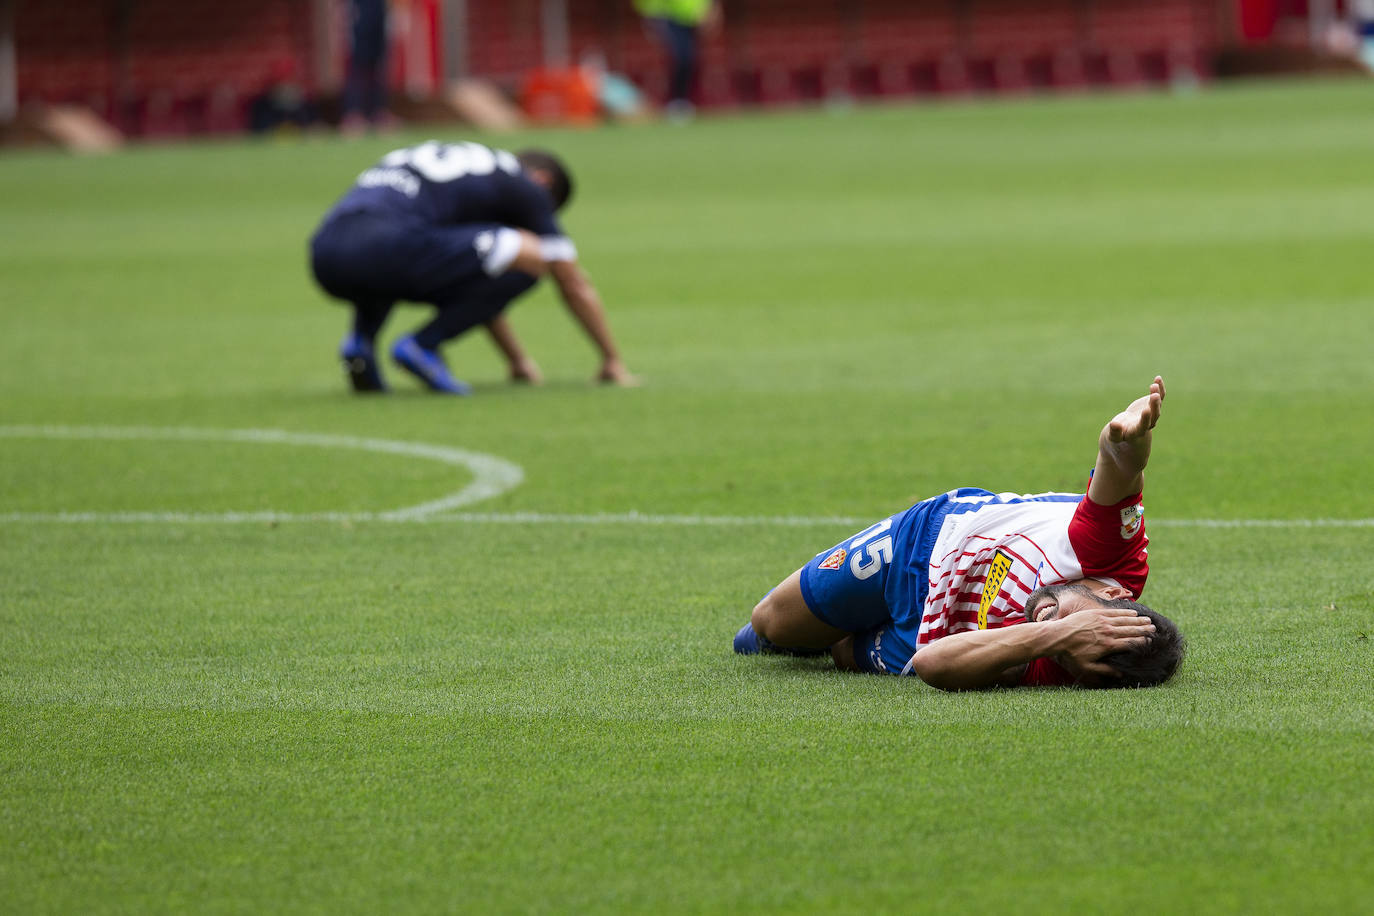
(464,228)
(283,103)
(939,589)
(364,100)
(1363,16)
(678,26)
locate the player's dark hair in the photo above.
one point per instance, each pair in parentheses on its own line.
(560,179)
(1156,661)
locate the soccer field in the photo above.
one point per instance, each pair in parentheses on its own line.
(266,646)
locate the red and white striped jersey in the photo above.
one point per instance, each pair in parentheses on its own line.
(994,549)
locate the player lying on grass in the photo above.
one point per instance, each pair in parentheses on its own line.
(466,229)
(937,588)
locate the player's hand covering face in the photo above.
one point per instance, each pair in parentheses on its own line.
(1090,629)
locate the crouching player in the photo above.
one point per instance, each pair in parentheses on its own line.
(939,589)
(466,229)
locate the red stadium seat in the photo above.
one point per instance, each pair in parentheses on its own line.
(770,51)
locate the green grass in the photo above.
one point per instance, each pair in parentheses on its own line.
(835,315)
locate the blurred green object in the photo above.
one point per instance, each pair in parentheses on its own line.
(688,12)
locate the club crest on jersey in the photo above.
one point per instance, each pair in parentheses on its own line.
(997,574)
(835,560)
(1132,517)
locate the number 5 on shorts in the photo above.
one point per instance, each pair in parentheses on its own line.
(879,552)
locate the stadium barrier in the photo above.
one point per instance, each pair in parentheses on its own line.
(170,67)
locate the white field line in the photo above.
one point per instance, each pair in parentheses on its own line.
(491,476)
(593,519)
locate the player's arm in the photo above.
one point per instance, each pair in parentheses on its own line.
(555,256)
(992,658)
(1123,449)
(522,368)
(582,300)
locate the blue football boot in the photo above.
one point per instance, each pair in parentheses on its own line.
(747,642)
(360,364)
(428,366)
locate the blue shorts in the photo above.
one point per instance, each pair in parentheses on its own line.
(372,257)
(874,584)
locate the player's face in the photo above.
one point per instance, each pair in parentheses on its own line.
(1051,602)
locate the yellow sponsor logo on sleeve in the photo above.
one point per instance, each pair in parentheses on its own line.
(997,573)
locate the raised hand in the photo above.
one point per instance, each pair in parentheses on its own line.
(1139,418)
(1123,449)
